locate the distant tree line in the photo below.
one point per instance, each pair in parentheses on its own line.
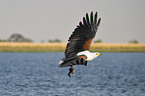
(2,40)
(20,38)
(131,41)
(17,38)
(98,41)
(55,40)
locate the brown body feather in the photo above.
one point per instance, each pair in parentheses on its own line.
(87,44)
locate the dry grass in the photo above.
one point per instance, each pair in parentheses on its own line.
(31,47)
(105,47)
(60,47)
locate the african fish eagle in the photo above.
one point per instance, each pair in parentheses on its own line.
(78,46)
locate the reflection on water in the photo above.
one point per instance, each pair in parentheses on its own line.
(37,74)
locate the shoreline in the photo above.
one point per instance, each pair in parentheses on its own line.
(60,47)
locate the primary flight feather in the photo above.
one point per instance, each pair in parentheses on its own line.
(78,46)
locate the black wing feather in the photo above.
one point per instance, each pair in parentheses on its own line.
(95,20)
(74,61)
(92,23)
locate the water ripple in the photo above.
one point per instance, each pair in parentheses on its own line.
(37,74)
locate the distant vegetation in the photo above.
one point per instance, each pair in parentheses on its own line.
(54,41)
(2,40)
(133,41)
(20,38)
(98,41)
(17,38)
(31,47)
(60,47)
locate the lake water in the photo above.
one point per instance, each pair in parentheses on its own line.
(37,74)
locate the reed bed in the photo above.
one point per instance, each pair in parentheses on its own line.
(31,47)
(60,47)
(105,47)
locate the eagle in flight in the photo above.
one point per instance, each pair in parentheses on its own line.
(78,46)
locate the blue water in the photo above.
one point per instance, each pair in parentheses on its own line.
(37,74)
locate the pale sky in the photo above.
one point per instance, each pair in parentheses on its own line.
(122,20)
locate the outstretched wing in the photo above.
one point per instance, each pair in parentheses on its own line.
(82,36)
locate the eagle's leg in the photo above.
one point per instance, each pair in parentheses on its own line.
(71,70)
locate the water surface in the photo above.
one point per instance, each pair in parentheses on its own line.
(37,74)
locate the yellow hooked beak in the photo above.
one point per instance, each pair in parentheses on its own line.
(98,54)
